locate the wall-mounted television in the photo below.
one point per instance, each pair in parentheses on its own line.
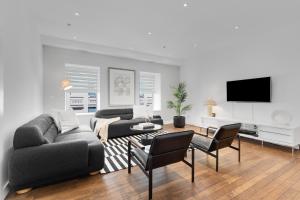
(250,90)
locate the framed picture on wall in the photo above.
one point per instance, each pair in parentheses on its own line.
(121,87)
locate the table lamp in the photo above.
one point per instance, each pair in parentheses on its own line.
(210,103)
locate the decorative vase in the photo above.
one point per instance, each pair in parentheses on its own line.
(179,121)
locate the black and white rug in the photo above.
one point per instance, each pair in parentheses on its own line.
(116,153)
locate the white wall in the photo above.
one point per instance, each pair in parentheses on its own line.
(56,58)
(274,54)
(20,78)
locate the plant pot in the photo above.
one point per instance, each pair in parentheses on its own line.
(179,121)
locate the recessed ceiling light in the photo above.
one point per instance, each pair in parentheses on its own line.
(149,33)
(77,14)
(185,5)
(236,27)
(74,37)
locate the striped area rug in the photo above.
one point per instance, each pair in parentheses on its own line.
(116,153)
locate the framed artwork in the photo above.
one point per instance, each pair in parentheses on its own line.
(121,87)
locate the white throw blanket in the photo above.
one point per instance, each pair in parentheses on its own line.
(102,125)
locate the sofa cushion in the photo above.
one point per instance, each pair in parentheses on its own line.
(81,128)
(85,136)
(124,114)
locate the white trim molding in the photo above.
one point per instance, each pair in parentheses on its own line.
(5,190)
(106,50)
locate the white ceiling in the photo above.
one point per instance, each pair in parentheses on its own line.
(184,31)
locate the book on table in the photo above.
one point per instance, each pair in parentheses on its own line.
(144,126)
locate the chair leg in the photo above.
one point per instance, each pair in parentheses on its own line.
(150,183)
(239,140)
(217,160)
(193,164)
(129,157)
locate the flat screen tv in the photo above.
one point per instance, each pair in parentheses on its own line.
(250,90)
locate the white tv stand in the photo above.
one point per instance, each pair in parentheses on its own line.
(277,134)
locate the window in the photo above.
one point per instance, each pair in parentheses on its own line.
(150,90)
(84,96)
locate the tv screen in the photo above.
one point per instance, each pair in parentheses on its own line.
(250,90)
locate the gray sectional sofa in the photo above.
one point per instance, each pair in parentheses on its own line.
(42,155)
(121,128)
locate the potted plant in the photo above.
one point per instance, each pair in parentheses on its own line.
(180,95)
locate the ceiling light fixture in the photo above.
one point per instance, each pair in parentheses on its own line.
(185,5)
(77,14)
(236,27)
(195,45)
(149,33)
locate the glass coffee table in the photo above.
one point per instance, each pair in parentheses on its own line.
(147,139)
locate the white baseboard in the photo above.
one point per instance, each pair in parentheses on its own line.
(5,191)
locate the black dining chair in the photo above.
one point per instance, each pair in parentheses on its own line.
(222,138)
(164,150)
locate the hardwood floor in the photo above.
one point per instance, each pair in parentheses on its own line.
(268,172)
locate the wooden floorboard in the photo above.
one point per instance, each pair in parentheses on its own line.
(269,172)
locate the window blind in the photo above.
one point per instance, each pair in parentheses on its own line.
(147,83)
(82,78)
(150,91)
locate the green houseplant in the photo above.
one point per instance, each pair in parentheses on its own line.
(180,94)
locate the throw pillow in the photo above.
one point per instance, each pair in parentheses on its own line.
(54,114)
(68,120)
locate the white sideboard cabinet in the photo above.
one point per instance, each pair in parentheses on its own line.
(277,134)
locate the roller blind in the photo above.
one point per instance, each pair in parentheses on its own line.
(150,90)
(82,78)
(84,96)
(147,83)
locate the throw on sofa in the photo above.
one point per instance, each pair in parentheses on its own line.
(121,128)
(42,155)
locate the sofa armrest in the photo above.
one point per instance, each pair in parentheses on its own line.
(28,137)
(96,156)
(33,164)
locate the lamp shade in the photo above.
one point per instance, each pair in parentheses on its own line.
(210,102)
(65,84)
